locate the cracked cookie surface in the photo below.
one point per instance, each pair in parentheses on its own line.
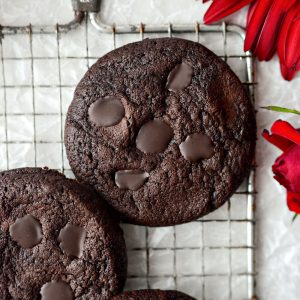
(57,239)
(196,165)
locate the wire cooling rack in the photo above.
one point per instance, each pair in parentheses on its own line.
(211,258)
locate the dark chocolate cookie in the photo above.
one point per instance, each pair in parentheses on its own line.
(153,295)
(163,129)
(57,240)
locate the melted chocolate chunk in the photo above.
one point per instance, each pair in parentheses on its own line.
(154,136)
(130,179)
(197,146)
(107,111)
(180,77)
(26,231)
(56,290)
(72,239)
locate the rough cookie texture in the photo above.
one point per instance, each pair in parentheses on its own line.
(152,295)
(213,103)
(54,201)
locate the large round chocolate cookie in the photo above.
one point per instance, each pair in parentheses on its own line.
(57,240)
(152,295)
(163,129)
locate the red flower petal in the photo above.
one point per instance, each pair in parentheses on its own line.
(288,74)
(292,51)
(222,8)
(280,171)
(267,41)
(287,169)
(256,23)
(293,202)
(283,34)
(298,65)
(286,130)
(265,54)
(281,143)
(251,11)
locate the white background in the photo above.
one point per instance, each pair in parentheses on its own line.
(278,245)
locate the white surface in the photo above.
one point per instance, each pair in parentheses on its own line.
(278,252)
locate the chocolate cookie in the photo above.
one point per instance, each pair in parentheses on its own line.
(57,240)
(163,130)
(152,295)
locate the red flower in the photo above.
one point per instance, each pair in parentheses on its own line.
(287,166)
(267,20)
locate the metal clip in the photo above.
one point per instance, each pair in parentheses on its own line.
(86,5)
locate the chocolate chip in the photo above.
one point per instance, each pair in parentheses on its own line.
(56,290)
(130,179)
(26,231)
(107,111)
(154,136)
(180,77)
(197,146)
(72,239)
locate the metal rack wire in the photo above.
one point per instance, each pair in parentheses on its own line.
(211,258)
